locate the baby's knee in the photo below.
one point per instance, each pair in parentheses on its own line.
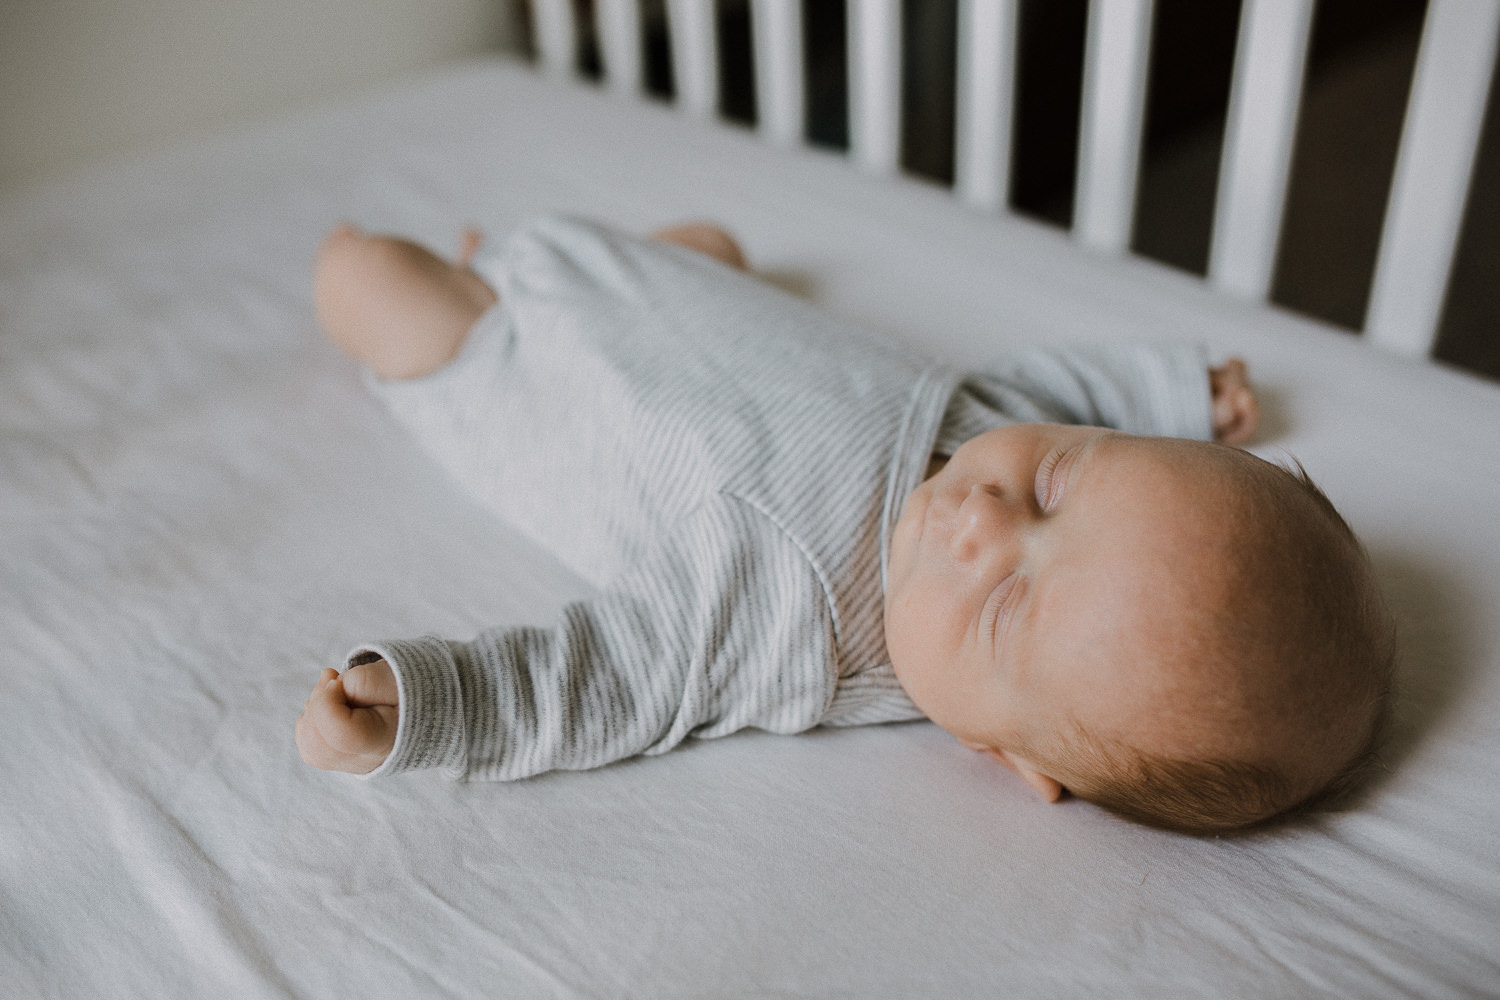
(352,263)
(354,270)
(340,248)
(393,305)
(339,274)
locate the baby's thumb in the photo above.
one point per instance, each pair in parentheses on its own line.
(369,684)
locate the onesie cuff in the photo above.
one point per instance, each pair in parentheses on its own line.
(430,726)
(1178,397)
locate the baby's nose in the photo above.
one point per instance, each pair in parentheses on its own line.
(984,519)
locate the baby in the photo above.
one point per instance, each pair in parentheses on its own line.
(793,523)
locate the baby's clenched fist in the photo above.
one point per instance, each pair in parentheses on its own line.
(349,721)
(1236,411)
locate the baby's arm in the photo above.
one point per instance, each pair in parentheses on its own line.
(1156,389)
(1236,413)
(349,721)
(726,627)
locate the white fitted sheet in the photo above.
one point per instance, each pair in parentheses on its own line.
(200,507)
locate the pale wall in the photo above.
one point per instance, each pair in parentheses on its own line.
(80,79)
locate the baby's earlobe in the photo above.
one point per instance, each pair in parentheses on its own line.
(1047,787)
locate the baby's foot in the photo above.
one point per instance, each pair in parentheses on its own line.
(469,242)
(706,238)
(395,306)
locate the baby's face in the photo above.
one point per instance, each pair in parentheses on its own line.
(1049,575)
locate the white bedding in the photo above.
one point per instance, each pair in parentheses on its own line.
(200,507)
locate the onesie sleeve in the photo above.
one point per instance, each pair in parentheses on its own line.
(725,627)
(1159,389)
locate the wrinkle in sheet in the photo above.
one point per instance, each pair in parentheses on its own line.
(163,899)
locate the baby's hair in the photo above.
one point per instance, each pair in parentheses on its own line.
(1216,796)
(1187,796)
(1213,796)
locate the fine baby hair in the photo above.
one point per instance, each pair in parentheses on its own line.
(1318,648)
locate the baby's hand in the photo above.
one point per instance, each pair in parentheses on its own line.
(349,721)
(1236,413)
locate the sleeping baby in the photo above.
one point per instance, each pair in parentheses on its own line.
(1059,559)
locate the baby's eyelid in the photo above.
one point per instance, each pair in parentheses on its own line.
(1046,479)
(1002,598)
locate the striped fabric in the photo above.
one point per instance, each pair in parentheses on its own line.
(725,463)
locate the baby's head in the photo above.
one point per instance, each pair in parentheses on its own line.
(1178,631)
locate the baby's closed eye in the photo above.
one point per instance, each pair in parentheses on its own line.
(1051,476)
(998,606)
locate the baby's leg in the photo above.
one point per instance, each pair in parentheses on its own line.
(705,238)
(395,306)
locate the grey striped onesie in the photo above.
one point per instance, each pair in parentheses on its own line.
(725,463)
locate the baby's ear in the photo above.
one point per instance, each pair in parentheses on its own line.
(1048,788)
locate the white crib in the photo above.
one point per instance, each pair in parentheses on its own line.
(1438,146)
(200,507)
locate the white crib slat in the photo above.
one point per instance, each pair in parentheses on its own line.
(619,25)
(1444,115)
(776,29)
(986,96)
(1270,60)
(875,84)
(555,35)
(695,67)
(1114,104)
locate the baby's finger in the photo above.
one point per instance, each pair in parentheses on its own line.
(314,748)
(333,716)
(351,729)
(323,678)
(377,729)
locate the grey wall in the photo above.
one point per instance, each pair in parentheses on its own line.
(81,79)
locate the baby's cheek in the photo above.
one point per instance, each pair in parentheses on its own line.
(904,640)
(909,624)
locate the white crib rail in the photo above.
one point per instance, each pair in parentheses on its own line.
(985,97)
(776,26)
(875,84)
(1114,111)
(695,55)
(1257,157)
(1439,141)
(619,28)
(555,34)
(1444,116)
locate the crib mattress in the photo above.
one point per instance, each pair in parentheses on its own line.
(200,507)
